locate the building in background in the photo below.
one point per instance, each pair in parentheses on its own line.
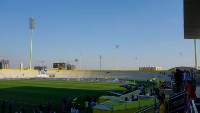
(4,64)
(150,68)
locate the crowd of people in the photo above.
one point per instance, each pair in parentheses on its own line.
(68,105)
(21,108)
(183,82)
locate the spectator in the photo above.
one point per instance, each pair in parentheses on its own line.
(87,106)
(189,78)
(151,93)
(163,96)
(3,107)
(190,90)
(95,99)
(36,109)
(10,106)
(142,89)
(126,98)
(48,107)
(184,75)
(64,100)
(159,85)
(132,97)
(63,108)
(172,75)
(92,104)
(73,109)
(163,105)
(178,80)
(157,91)
(22,110)
(41,108)
(87,98)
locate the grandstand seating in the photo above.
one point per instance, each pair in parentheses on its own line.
(131,75)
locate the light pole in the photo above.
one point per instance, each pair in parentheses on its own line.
(76,60)
(80,61)
(117,48)
(31,27)
(195,51)
(100,61)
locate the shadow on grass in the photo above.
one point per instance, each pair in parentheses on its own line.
(29,96)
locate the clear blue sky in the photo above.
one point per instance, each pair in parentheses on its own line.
(148,32)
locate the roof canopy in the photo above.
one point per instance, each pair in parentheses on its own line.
(192,19)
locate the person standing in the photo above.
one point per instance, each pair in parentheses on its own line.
(163,105)
(10,106)
(73,109)
(48,107)
(3,106)
(178,76)
(87,106)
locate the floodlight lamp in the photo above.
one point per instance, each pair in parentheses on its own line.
(31,23)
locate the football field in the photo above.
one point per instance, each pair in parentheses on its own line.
(33,92)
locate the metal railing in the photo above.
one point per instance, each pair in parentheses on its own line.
(176,102)
(193,108)
(148,108)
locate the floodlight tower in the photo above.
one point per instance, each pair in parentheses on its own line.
(117,48)
(76,60)
(195,51)
(100,61)
(80,61)
(31,27)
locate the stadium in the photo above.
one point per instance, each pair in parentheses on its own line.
(107,80)
(54,85)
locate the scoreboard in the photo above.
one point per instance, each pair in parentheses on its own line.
(59,65)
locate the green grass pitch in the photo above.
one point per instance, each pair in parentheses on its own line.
(33,92)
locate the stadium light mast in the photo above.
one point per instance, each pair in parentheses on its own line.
(117,54)
(195,51)
(100,61)
(31,27)
(76,60)
(80,61)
